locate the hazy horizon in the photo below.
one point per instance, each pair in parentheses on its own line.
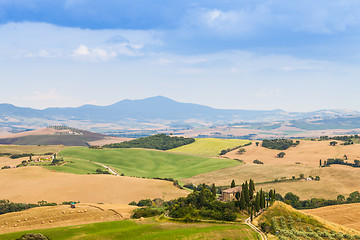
(323,109)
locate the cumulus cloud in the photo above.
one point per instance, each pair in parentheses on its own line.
(82,50)
(70,43)
(106,53)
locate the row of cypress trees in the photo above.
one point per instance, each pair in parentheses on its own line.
(250,200)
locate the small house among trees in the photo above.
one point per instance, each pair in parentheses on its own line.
(230,194)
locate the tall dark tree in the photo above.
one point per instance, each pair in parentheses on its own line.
(251,212)
(246,194)
(232,183)
(257,202)
(320,163)
(251,189)
(213,190)
(242,203)
(237,196)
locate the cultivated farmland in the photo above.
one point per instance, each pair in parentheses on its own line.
(33,184)
(63,215)
(302,159)
(209,146)
(144,163)
(148,230)
(347,215)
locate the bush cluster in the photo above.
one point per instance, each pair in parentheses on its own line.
(146,212)
(279,144)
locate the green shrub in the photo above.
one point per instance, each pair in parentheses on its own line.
(146,212)
(145,202)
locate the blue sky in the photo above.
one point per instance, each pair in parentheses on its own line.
(293,55)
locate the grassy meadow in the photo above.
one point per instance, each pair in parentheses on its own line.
(144,231)
(210,147)
(140,162)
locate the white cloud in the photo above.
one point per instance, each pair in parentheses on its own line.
(67,43)
(82,50)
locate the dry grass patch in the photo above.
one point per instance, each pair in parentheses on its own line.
(35,149)
(334,180)
(32,184)
(62,215)
(307,153)
(347,215)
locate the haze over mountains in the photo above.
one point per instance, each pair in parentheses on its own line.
(130,118)
(160,108)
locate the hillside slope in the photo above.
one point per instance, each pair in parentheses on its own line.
(63,215)
(347,215)
(59,187)
(51,136)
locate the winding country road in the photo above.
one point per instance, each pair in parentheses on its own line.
(248,222)
(108,168)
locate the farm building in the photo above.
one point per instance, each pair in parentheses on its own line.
(229,194)
(44,159)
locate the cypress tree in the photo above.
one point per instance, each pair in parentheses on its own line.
(232,183)
(251,189)
(262,199)
(242,202)
(251,213)
(246,194)
(257,202)
(213,190)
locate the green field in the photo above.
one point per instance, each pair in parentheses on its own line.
(210,147)
(147,231)
(140,162)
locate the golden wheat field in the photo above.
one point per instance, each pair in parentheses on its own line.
(347,215)
(63,215)
(302,159)
(32,184)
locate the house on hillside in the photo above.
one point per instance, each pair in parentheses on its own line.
(44,159)
(229,194)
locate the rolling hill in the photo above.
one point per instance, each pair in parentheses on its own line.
(52,136)
(141,162)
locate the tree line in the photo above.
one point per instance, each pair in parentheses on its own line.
(294,200)
(158,141)
(331,161)
(6,206)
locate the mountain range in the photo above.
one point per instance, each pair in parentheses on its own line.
(161,108)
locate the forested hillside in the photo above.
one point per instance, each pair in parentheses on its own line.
(158,141)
